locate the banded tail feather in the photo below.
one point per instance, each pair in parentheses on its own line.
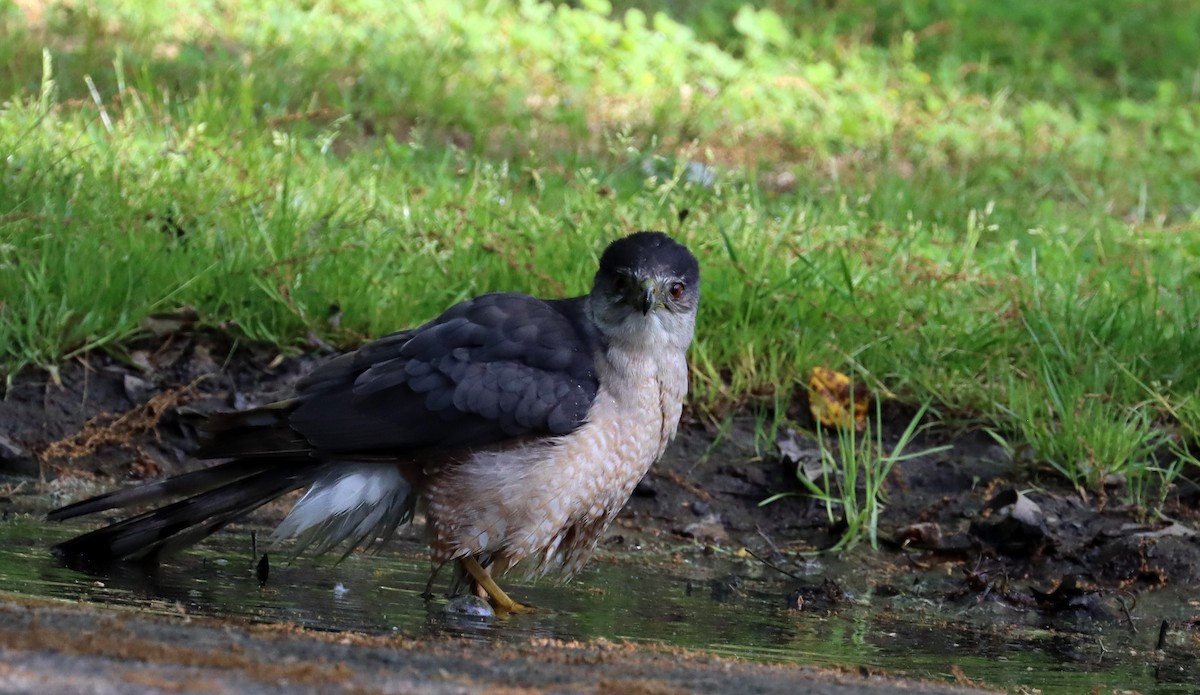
(346,501)
(213,498)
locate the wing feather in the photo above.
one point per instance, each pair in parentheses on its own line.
(492,368)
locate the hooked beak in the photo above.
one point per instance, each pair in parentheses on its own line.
(645,299)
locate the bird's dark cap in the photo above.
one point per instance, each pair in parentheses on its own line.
(651,253)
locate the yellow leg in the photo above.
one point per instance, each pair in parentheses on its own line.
(501,600)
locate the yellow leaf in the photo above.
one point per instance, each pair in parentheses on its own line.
(829,399)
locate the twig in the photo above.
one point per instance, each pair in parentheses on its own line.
(778,569)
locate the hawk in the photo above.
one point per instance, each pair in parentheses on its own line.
(520,425)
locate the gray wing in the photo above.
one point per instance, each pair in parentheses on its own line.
(489,369)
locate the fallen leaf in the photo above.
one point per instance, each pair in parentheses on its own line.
(806,459)
(831,403)
(164,324)
(1012,523)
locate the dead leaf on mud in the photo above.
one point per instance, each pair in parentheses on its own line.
(170,322)
(1012,523)
(807,461)
(835,401)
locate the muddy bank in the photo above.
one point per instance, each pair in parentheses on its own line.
(55,649)
(966,518)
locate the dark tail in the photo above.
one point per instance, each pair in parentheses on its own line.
(272,463)
(221,494)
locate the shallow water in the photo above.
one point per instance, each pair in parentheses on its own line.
(721,604)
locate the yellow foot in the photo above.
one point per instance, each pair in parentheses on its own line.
(500,600)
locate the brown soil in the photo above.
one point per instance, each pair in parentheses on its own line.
(52,648)
(1045,547)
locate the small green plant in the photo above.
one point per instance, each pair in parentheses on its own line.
(853,473)
(1150,485)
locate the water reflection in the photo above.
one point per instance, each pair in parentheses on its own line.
(720,604)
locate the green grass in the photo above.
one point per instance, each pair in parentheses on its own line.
(854,471)
(1001,223)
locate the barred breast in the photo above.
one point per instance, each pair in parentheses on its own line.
(550,502)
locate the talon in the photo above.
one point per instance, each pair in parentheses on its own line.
(500,600)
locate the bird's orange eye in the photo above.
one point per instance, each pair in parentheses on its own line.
(677,290)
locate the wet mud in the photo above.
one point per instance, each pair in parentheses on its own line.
(55,649)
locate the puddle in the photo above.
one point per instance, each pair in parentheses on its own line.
(692,602)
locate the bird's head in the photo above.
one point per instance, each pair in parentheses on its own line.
(647,289)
